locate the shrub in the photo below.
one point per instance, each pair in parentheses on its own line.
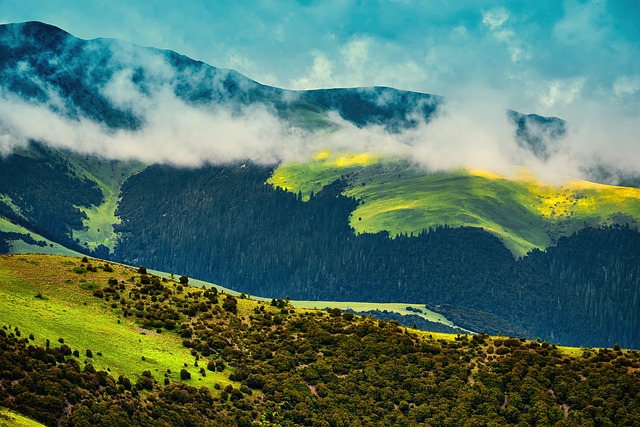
(170,324)
(349,316)
(502,350)
(230,304)
(185,375)
(255,382)
(334,312)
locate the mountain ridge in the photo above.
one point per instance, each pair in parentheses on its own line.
(361,106)
(221,220)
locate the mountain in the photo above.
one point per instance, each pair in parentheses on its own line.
(130,348)
(100,176)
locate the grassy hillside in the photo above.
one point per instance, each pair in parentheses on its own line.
(19,246)
(11,419)
(278,365)
(90,222)
(398,197)
(109,175)
(360,307)
(51,297)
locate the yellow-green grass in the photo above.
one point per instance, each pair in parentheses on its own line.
(437,335)
(400,308)
(21,247)
(11,419)
(326,167)
(399,198)
(41,295)
(109,176)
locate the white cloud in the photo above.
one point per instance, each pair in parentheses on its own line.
(320,75)
(495,18)
(626,85)
(562,92)
(496,21)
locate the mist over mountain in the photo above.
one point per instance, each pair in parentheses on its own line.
(145,156)
(114,99)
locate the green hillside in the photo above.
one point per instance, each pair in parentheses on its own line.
(11,419)
(400,198)
(95,217)
(52,297)
(109,175)
(19,245)
(257,363)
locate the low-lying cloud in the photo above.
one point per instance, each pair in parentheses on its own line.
(173,133)
(473,131)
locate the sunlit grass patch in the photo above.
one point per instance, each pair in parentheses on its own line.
(400,308)
(55,303)
(20,247)
(11,419)
(352,159)
(399,198)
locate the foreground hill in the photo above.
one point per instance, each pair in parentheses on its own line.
(260,363)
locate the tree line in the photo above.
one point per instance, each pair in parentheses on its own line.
(223,224)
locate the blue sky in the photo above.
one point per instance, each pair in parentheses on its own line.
(535,56)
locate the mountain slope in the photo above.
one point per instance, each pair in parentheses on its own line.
(268,363)
(225,225)
(220,219)
(400,198)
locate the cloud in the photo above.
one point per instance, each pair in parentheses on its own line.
(496,21)
(562,92)
(625,86)
(569,59)
(172,131)
(320,75)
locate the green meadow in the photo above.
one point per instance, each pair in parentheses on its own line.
(523,212)
(399,308)
(45,297)
(21,247)
(109,176)
(11,419)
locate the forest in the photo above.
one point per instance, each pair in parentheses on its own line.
(224,225)
(306,367)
